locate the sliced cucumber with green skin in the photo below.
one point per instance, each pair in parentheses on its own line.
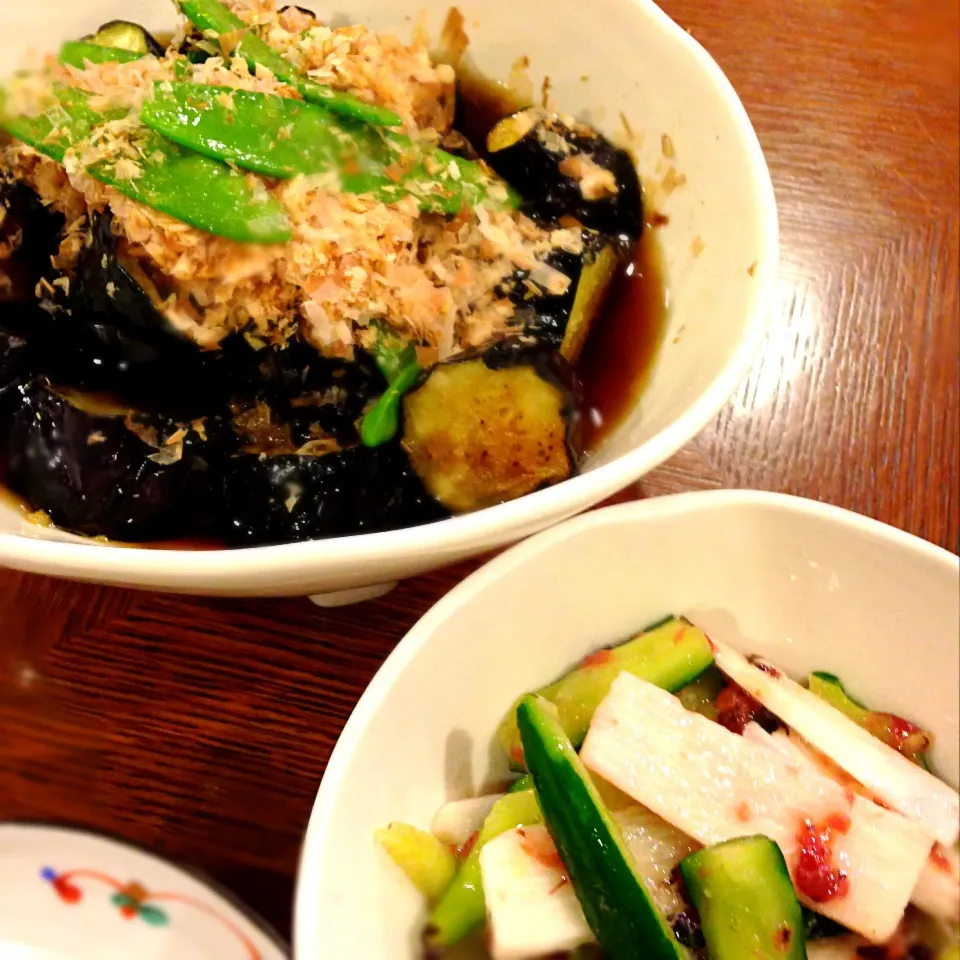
(524,783)
(670,654)
(614,899)
(462,907)
(818,927)
(700,695)
(899,734)
(747,904)
(427,862)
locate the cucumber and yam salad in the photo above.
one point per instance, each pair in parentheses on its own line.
(677,800)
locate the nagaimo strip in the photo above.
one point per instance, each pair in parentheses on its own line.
(532,908)
(715,785)
(455,822)
(901,785)
(938,888)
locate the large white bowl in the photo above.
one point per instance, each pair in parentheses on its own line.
(640,65)
(809,586)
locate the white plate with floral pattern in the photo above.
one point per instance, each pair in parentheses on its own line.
(69,895)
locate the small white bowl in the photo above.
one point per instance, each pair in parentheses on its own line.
(807,585)
(720,250)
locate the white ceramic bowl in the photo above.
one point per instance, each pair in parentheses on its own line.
(809,586)
(639,64)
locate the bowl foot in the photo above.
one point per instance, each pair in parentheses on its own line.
(341,598)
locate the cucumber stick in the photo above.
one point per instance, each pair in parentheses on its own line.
(746,901)
(462,908)
(669,655)
(895,732)
(427,862)
(614,899)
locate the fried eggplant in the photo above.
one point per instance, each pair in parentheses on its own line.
(563,168)
(108,333)
(101,470)
(125,35)
(29,236)
(563,321)
(278,499)
(488,428)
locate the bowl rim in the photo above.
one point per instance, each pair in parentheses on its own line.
(186,569)
(416,639)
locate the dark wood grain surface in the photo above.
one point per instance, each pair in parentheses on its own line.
(201,728)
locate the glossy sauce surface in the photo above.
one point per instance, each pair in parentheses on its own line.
(622,346)
(621,350)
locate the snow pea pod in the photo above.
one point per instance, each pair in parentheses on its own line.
(199,191)
(392,354)
(382,421)
(281,137)
(67,121)
(76,53)
(396,359)
(210,15)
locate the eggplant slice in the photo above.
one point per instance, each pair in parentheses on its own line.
(17,366)
(125,35)
(29,236)
(600,267)
(566,169)
(563,322)
(307,13)
(100,470)
(316,395)
(278,499)
(107,333)
(485,429)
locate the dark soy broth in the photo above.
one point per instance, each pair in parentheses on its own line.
(617,357)
(619,353)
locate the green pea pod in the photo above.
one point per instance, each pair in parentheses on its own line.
(391,353)
(197,190)
(202,192)
(272,135)
(382,421)
(76,53)
(67,121)
(280,137)
(210,15)
(396,359)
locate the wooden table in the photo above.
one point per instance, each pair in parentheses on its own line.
(201,727)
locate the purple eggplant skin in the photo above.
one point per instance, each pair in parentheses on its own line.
(532,168)
(545,317)
(308,391)
(17,365)
(106,334)
(37,229)
(280,499)
(93,475)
